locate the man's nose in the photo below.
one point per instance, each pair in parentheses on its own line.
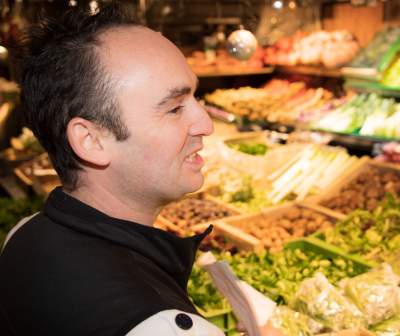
(202,123)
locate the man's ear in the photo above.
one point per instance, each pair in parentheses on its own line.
(87,141)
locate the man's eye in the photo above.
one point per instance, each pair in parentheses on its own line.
(176,109)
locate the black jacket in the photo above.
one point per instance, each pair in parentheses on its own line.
(72,270)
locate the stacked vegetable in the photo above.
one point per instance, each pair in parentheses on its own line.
(309,172)
(312,169)
(364,114)
(371,56)
(275,275)
(315,294)
(278,101)
(373,235)
(330,49)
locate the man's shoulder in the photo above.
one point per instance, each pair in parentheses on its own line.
(19,226)
(174,322)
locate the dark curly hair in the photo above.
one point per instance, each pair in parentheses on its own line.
(61,77)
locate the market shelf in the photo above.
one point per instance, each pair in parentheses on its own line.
(310,70)
(235,72)
(373,87)
(363,73)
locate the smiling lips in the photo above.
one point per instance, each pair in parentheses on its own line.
(195,159)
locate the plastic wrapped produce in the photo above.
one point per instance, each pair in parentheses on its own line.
(375,293)
(322,301)
(292,323)
(390,327)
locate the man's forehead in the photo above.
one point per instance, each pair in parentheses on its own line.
(132,41)
(131,49)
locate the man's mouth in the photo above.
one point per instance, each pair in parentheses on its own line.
(194,159)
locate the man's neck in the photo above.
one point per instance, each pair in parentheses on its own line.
(105,201)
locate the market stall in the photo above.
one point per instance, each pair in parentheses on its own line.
(305,204)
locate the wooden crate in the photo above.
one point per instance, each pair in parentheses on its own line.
(337,187)
(230,226)
(164,223)
(344,179)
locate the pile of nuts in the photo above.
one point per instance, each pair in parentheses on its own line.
(275,231)
(194,210)
(366,191)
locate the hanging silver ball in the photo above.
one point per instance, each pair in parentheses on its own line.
(241,44)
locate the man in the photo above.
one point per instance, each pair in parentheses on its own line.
(113,104)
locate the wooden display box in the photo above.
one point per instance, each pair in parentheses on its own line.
(230,227)
(336,188)
(165,224)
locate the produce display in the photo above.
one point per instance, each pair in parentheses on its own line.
(306,172)
(365,191)
(364,114)
(191,211)
(309,172)
(374,235)
(278,101)
(319,289)
(330,49)
(315,294)
(371,55)
(275,230)
(276,275)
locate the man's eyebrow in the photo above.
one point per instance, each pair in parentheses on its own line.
(175,93)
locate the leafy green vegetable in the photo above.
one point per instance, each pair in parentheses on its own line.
(374,235)
(250,148)
(371,56)
(242,193)
(203,293)
(364,114)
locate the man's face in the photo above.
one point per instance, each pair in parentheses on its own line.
(155,93)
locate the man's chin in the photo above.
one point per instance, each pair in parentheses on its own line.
(194,185)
